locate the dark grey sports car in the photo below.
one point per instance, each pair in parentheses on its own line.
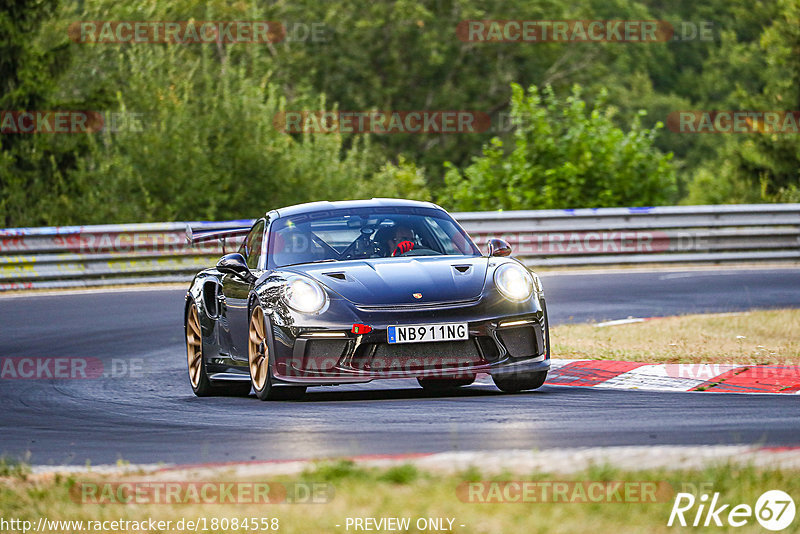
(332,293)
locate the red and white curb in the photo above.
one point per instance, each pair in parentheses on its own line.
(714,378)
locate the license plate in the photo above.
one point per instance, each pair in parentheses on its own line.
(420,333)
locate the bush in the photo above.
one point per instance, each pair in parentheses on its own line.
(563,156)
(207,148)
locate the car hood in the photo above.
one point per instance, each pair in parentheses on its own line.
(393,281)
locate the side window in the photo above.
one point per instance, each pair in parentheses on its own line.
(252,245)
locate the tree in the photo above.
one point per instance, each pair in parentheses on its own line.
(563,156)
(28,166)
(772,160)
(760,166)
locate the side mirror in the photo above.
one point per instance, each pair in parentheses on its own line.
(234,264)
(498,247)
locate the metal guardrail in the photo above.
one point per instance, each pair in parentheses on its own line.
(67,256)
(623,236)
(158,252)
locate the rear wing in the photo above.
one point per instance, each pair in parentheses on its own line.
(207,232)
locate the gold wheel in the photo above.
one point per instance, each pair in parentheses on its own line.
(194,346)
(258,351)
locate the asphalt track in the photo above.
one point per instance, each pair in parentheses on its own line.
(153,416)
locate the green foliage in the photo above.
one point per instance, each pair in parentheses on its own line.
(206,147)
(405,180)
(197,137)
(336,470)
(760,167)
(400,474)
(563,155)
(755,71)
(405,55)
(30,165)
(719,186)
(772,161)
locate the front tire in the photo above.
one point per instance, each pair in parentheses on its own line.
(260,365)
(198,377)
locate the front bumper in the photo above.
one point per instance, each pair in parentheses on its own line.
(502,345)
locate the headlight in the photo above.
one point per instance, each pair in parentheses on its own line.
(514,282)
(304,295)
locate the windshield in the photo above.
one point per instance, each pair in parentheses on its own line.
(364,233)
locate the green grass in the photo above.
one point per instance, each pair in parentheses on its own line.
(755,337)
(406,491)
(13,469)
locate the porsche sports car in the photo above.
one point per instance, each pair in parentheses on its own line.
(331,293)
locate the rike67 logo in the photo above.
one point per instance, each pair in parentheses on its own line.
(774,510)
